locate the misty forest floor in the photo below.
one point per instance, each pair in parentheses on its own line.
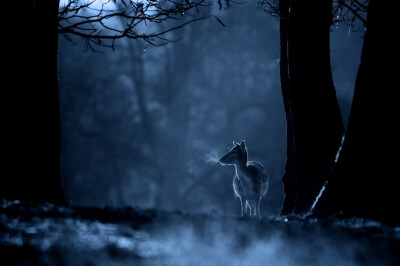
(45,234)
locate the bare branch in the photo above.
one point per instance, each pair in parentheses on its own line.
(101,23)
(350,12)
(269,6)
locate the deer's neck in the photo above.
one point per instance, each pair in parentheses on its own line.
(241,169)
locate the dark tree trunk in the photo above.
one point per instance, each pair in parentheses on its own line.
(33,151)
(364,181)
(317,121)
(289,177)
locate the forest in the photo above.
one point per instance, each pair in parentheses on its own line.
(118,114)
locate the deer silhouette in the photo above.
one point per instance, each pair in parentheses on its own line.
(250,183)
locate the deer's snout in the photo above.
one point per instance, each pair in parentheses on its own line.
(222,160)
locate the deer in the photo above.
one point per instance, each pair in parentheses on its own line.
(250,183)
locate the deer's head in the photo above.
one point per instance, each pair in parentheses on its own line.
(236,155)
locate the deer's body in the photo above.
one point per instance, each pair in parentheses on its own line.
(250,183)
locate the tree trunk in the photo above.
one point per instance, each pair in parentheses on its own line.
(364,181)
(289,177)
(33,153)
(317,121)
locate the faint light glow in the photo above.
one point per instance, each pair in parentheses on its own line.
(97,4)
(122,242)
(339,150)
(319,196)
(93,4)
(102,8)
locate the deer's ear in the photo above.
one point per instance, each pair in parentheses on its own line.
(234,143)
(242,144)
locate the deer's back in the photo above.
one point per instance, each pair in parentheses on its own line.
(251,183)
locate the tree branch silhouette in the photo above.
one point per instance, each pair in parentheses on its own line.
(95,21)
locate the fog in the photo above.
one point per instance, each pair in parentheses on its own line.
(54,235)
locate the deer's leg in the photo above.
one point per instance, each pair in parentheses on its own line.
(253,208)
(258,208)
(248,206)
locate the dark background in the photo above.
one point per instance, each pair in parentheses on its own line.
(143,126)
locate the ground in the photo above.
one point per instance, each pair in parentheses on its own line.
(44,234)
